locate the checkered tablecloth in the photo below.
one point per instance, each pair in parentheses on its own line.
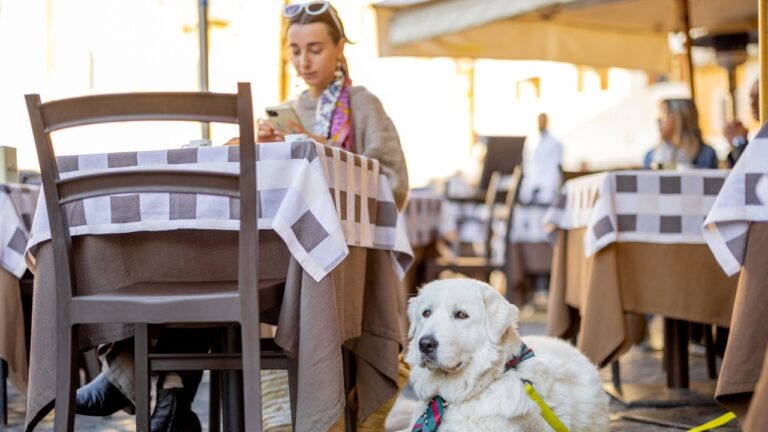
(637,206)
(743,199)
(422,216)
(317,198)
(17,207)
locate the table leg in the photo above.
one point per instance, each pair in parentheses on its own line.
(3,392)
(350,413)
(676,346)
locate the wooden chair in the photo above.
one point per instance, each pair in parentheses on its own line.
(482,266)
(155,303)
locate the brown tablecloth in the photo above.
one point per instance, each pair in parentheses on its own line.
(757,419)
(748,338)
(12,346)
(524,259)
(358,304)
(592,296)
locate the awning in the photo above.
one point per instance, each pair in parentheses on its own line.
(604,33)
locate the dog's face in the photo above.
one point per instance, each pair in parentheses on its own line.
(454,321)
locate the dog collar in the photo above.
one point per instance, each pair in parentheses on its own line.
(433,414)
(525,354)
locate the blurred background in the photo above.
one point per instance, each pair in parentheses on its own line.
(605,117)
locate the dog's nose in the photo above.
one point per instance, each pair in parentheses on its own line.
(427,344)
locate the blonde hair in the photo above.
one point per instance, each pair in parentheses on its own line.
(686,136)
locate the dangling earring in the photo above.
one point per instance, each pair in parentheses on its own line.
(339,70)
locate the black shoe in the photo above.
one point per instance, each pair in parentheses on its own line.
(100,398)
(173,413)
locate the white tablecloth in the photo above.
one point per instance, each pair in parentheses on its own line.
(318,199)
(422,216)
(637,206)
(17,207)
(743,199)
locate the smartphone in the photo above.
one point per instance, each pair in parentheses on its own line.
(280,115)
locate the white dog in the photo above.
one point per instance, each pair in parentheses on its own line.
(463,334)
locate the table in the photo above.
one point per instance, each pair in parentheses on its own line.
(631,242)
(528,250)
(330,230)
(757,419)
(17,205)
(423,220)
(736,230)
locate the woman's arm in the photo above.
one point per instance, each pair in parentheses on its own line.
(376,137)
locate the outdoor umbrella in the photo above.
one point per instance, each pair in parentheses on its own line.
(631,34)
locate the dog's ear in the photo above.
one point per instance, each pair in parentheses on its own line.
(413,315)
(500,316)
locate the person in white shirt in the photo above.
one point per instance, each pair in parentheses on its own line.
(541,166)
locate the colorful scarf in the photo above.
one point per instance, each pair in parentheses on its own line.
(333,118)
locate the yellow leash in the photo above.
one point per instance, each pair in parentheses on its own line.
(723,419)
(546,412)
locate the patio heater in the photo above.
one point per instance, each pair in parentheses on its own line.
(730,52)
(202,27)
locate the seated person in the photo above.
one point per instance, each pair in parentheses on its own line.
(736,133)
(337,114)
(681,144)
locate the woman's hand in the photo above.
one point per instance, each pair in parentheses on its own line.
(267,133)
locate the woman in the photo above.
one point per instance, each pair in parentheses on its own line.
(334,112)
(681,143)
(331,110)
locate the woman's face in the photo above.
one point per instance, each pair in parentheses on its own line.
(314,54)
(666,123)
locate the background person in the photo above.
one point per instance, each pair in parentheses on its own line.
(681,144)
(541,166)
(736,133)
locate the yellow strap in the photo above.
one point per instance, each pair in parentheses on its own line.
(546,411)
(723,419)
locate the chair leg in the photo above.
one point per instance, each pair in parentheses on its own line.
(66,381)
(233,387)
(142,376)
(214,402)
(3,393)
(251,349)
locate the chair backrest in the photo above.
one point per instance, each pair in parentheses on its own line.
(503,154)
(207,107)
(509,185)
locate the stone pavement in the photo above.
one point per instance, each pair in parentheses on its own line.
(640,365)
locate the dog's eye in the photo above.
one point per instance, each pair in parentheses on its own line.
(460,315)
(426,313)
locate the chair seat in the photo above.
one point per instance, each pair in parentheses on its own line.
(151,302)
(467,262)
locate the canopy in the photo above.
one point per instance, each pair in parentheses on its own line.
(631,34)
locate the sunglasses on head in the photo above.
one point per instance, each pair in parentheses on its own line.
(311,8)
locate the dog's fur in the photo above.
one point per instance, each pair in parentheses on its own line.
(467,367)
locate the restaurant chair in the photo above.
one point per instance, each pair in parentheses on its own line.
(142,304)
(497,211)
